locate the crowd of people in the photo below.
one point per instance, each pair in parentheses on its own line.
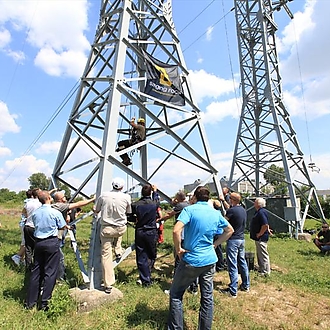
(201,226)
(46,217)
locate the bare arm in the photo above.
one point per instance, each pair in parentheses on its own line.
(224,202)
(81,203)
(227,232)
(52,190)
(168,215)
(24,212)
(177,230)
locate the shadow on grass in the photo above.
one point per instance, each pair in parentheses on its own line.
(310,252)
(18,293)
(11,265)
(11,237)
(150,318)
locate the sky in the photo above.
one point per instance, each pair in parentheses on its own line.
(44,47)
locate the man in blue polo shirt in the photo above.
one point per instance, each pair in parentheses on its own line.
(47,221)
(198,258)
(235,249)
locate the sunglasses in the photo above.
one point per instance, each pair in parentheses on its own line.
(325,227)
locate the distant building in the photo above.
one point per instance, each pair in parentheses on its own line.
(324,193)
(243,187)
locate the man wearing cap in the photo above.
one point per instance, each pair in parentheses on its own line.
(61,204)
(113,205)
(138,135)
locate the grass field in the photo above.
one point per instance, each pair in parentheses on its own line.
(295,296)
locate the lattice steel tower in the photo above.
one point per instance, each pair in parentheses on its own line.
(112,91)
(265,133)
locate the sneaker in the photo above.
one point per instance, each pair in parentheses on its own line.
(17,259)
(193,291)
(139,282)
(108,289)
(242,288)
(263,274)
(228,293)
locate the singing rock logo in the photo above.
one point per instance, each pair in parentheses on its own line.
(163,78)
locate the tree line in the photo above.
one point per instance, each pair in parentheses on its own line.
(36,180)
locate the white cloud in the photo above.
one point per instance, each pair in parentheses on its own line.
(217,111)
(4,151)
(302,24)
(209,33)
(18,56)
(4,38)
(56,34)
(7,122)
(68,63)
(321,179)
(7,125)
(207,85)
(306,69)
(24,167)
(48,147)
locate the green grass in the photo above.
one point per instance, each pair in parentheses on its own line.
(289,299)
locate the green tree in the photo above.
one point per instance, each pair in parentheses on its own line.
(7,195)
(39,180)
(275,176)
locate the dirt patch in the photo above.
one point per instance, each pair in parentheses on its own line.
(278,307)
(10,212)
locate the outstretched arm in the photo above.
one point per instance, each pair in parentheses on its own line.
(81,203)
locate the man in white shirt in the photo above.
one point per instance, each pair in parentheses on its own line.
(30,206)
(113,205)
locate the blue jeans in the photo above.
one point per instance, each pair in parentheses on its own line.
(325,248)
(183,277)
(236,260)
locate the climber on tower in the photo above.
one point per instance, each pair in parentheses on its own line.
(138,135)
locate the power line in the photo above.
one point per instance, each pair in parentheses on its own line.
(212,26)
(74,88)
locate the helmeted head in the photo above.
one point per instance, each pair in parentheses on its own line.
(141,121)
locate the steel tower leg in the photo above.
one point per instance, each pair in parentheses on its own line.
(265,133)
(112,90)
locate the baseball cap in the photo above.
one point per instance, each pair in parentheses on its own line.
(118,183)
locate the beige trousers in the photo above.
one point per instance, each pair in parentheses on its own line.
(111,237)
